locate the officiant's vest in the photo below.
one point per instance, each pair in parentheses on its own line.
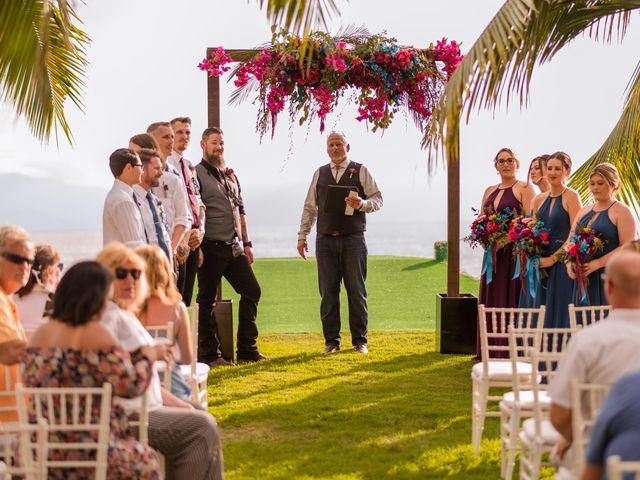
(332,224)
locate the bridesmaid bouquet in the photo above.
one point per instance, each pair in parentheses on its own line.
(487,230)
(530,239)
(582,247)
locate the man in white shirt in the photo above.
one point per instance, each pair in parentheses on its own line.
(341,249)
(121,217)
(188,257)
(172,194)
(602,352)
(153,215)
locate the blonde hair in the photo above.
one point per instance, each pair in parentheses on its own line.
(12,234)
(117,255)
(609,172)
(159,275)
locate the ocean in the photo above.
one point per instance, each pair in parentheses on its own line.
(410,239)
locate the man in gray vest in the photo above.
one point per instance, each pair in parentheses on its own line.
(341,250)
(225,228)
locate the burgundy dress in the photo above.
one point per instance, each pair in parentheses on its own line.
(502,291)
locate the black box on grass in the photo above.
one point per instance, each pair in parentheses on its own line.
(224,319)
(456,323)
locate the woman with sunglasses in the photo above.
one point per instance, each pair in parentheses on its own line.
(557,209)
(162,305)
(74,349)
(497,286)
(187,438)
(32,299)
(615,224)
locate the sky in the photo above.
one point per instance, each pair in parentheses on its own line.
(143,69)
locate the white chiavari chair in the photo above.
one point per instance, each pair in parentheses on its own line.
(586,400)
(584,316)
(163,333)
(196,374)
(495,369)
(68,412)
(619,470)
(29,439)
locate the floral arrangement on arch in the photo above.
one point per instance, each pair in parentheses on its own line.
(387,76)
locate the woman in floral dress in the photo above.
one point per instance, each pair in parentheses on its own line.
(73,349)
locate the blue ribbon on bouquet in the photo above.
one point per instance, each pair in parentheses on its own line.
(487,264)
(531,274)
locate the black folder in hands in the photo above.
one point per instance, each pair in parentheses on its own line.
(335,199)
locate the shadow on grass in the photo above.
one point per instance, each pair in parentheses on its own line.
(396,414)
(421,265)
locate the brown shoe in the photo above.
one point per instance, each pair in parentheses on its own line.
(361,348)
(221,362)
(331,348)
(256,357)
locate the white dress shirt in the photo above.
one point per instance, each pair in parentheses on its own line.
(147,217)
(121,218)
(174,160)
(131,334)
(173,195)
(373,202)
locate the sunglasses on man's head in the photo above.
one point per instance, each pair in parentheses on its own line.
(17,259)
(121,273)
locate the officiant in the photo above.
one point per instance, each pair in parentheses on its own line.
(341,249)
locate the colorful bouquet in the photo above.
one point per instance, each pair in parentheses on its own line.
(487,231)
(530,239)
(386,77)
(582,247)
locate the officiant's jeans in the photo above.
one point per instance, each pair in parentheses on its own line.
(343,258)
(218,262)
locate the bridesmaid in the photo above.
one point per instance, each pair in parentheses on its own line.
(515,194)
(615,223)
(557,208)
(537,170)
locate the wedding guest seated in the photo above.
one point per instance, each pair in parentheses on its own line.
(162,305)
(16,257)
(32,299)
(617,428)
(603,351)
(187,438)
(73,349)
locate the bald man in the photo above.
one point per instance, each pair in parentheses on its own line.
(602,352)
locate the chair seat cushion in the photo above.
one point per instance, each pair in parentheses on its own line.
(202,372)
(502,370)
(550,435)
(526,399)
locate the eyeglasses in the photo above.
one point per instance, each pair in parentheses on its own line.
(121,273)
(136,165)
(508,161)
(60,266)
(17,259)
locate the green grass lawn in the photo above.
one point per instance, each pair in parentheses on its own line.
(401,412)
(401,294)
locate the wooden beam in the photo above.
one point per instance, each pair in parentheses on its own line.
(453,214)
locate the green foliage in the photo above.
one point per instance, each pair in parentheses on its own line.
(401,412)
(401,292)
(42,62)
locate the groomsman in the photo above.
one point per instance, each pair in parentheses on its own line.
(121,217)
(188,252)
(152,210)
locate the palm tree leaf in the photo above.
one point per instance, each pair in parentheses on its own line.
(42,63)
(300,16)
(522,35)
(621,148)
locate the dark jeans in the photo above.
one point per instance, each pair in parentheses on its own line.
(187,277)
(218,262)
(343,258)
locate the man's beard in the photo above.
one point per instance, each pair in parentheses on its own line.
(215,159)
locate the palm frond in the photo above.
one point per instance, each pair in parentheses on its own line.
(522,35)
(621,148)
(42,63)
(300,16)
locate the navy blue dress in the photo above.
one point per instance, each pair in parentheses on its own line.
(555,291)
(609,234)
